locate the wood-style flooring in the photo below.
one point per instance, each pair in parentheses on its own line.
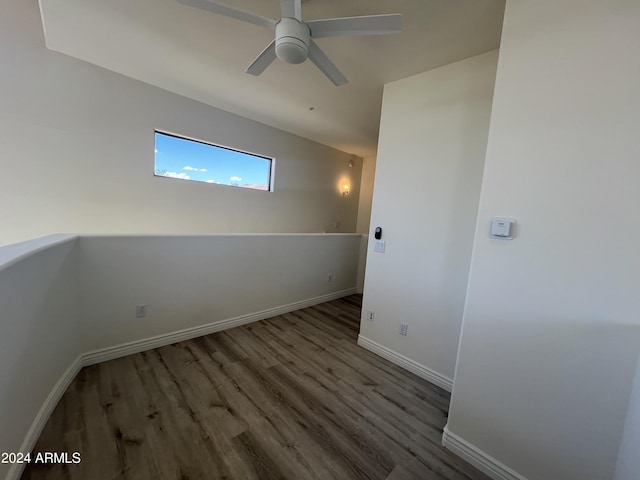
(291,397)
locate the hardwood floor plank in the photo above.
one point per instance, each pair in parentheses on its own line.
(290,397)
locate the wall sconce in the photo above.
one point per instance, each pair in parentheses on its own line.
(346,188)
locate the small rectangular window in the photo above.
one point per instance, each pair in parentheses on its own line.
(177,157)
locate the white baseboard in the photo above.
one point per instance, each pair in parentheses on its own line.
(478,458)
(43,415)
(124,349)
(406,363)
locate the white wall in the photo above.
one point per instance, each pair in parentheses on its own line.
(431,151)
(192,281)
(367,179)
(40,337)
(551,331)
(364,212)
(77,145)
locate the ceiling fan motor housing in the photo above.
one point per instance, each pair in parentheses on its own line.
(292,40)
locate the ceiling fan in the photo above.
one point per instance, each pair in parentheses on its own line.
(294,43)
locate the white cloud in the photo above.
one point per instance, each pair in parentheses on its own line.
(194,169)
(211,181)
(182,175)
(236,179)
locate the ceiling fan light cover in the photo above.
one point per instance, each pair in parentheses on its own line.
(292,40)
(291,50)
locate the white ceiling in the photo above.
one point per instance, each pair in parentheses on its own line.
(203,56)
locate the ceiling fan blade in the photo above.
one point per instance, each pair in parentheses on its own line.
(325,65)
(229,11)
(291,9)
(263,60)
(352,26)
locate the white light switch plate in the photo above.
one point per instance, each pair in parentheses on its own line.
(379,246)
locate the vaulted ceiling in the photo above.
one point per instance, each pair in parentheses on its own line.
(203,56)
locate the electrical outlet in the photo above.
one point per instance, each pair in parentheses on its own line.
(141,311)
(370,315)
(330,278)
(403,328)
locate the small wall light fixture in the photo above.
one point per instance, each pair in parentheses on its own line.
(346,188)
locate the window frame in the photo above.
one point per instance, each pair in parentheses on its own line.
(271,160)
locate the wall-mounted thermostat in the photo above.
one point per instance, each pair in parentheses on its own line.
(503,228)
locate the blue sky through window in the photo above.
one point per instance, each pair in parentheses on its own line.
(177,157)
